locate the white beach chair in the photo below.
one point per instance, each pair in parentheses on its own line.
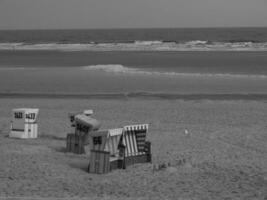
(24,123)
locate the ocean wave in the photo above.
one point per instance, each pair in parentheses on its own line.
(13,68)
(195,45)
(196,42)
(111,68)
(153,42)
(120,69)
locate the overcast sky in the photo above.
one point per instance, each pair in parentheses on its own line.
(43,14)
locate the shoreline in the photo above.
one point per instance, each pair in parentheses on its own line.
(137,95)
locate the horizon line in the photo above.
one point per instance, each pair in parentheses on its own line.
(129,28)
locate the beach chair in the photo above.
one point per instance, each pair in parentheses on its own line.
(137,149)
(82,125)
(105,151)
(87,113)
(24,123)
(118,148)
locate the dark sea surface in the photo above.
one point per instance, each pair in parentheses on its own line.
(166,63)
(197,39)
(256,35)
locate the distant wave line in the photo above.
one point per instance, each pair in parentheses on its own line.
(139,95)
(154,45)
(120,69)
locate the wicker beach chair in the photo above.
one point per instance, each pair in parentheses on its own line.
(105,150)
(137,149)
(118,148)
(82,125)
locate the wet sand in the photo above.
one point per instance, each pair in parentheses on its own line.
(224,155)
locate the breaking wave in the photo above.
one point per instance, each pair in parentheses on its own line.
(112,68)
(195,45)
(13,68)
(153,42)
(120,69)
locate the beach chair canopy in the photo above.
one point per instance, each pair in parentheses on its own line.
(97,140)
(106,140)
(90,123)
(134,137)
(24,123)
(27,115)
(85,112)
(113,140)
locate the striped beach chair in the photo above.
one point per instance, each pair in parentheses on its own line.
(134,138)
(118,148)
(137,149)
(104,145)
(113,140)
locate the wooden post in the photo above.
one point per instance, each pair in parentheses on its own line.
(148,151)
(122,164)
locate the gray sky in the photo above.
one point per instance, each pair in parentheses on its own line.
(42,14)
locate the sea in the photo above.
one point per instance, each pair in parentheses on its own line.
(186,63)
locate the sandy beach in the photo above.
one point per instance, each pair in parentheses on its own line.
(223,156)
(203,93)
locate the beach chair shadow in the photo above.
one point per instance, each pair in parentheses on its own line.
(61,149)
(80,165)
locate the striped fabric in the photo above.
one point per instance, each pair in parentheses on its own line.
(114,136)
(134,139)
(141,139)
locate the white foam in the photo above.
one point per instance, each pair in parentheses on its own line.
(12,68)
(196,42)
(153,42)
(196,45)
(216,75)
(120,69)
(110,68)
